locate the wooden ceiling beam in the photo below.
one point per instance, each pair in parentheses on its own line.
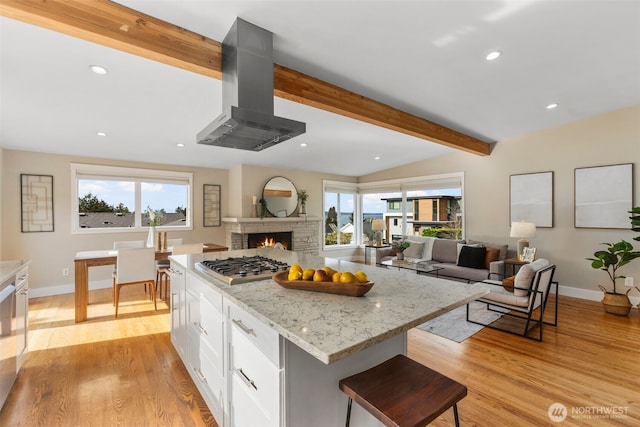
(116,26)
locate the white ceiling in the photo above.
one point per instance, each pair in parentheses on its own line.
(424,57)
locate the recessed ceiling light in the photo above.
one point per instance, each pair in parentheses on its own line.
(180,144)
(98,69)
(551,106)
(101,133)
(304,144)
(493,55)
(376,158)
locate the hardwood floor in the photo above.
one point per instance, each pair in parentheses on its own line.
(126,372)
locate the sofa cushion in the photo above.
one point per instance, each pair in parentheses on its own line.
(428,245)
(415,250)
(493,254)
(472,257)
(524,277)
(501,247)
(465,274)
(445,250)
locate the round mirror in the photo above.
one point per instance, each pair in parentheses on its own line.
(281,197)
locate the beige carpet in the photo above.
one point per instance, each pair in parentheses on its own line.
(454,326)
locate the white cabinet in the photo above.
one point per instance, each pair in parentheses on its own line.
(22,314)
(205,342)
(178,310)
(255,376)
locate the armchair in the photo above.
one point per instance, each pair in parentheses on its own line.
(525,300)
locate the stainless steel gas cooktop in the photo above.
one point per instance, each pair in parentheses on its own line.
(242,269)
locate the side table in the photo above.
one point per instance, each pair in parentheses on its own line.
(370,253)
(514,262)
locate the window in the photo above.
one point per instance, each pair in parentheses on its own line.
(113,199)
(429,205)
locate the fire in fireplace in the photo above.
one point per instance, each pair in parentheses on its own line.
(266,240)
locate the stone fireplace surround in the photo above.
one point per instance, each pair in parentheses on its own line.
(305,231)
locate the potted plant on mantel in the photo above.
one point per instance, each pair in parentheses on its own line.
(302,198)
(617,255)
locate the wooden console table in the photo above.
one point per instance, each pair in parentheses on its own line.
(86,259)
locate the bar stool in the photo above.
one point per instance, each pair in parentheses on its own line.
(402,392)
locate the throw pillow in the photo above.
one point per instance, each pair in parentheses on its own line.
(414,251)
(493,254)
(524,277)
(462,245)
(472,257)
(508,282)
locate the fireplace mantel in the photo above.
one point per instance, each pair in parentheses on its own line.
(305,231)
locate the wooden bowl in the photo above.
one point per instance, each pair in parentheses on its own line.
(348,289)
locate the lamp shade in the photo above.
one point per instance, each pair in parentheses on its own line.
(377,225)
(523,229)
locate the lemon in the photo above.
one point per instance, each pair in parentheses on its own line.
(335,278)
(330,271)
(361,276)
(296,267)
(294,275)
(348,277)
(308,274)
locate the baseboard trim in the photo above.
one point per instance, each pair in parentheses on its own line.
(67,289)
(589,294)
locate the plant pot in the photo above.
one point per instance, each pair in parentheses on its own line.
(615,303)
(400,256)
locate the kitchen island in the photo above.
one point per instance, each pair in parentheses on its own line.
(283,350)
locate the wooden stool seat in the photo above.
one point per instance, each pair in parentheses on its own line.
(402,392)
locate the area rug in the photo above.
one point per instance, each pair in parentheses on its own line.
(454,326)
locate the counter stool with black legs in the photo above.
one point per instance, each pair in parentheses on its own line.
(403,392)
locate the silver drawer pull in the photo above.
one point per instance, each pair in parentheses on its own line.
(201,377)
(244,328)
(248,381)
(199,326)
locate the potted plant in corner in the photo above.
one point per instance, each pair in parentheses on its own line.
(617,255)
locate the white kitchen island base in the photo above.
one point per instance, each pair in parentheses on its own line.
(265,356)
(313,398)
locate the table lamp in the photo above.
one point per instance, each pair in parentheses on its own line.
(377,225)
(523,230)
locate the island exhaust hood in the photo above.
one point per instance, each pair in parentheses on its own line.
(247,121)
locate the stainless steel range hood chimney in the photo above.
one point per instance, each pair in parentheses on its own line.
(247,121)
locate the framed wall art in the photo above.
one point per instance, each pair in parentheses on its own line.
(531,198)
(211,199)
(36,203)
(603,196)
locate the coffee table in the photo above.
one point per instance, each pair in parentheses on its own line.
(418,267)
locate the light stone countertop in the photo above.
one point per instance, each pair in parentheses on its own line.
(10,267)
(332,327)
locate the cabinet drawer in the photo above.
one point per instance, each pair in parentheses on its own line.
(256,383)
(258,333)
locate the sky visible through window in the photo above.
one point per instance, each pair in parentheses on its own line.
(157,195)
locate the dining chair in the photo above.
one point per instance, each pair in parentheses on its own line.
(164,263)
(128,244)
(134,266)
(162,273)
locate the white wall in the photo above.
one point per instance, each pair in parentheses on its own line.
(612,138)
(53,251)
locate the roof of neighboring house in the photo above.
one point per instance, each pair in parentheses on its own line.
(116,219)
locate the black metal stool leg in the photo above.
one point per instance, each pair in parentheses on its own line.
(455,414)
(349,412)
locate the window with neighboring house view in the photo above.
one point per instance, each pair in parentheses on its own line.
(119,199)
(426,206)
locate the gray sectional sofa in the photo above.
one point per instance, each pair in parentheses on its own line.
(471,261)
